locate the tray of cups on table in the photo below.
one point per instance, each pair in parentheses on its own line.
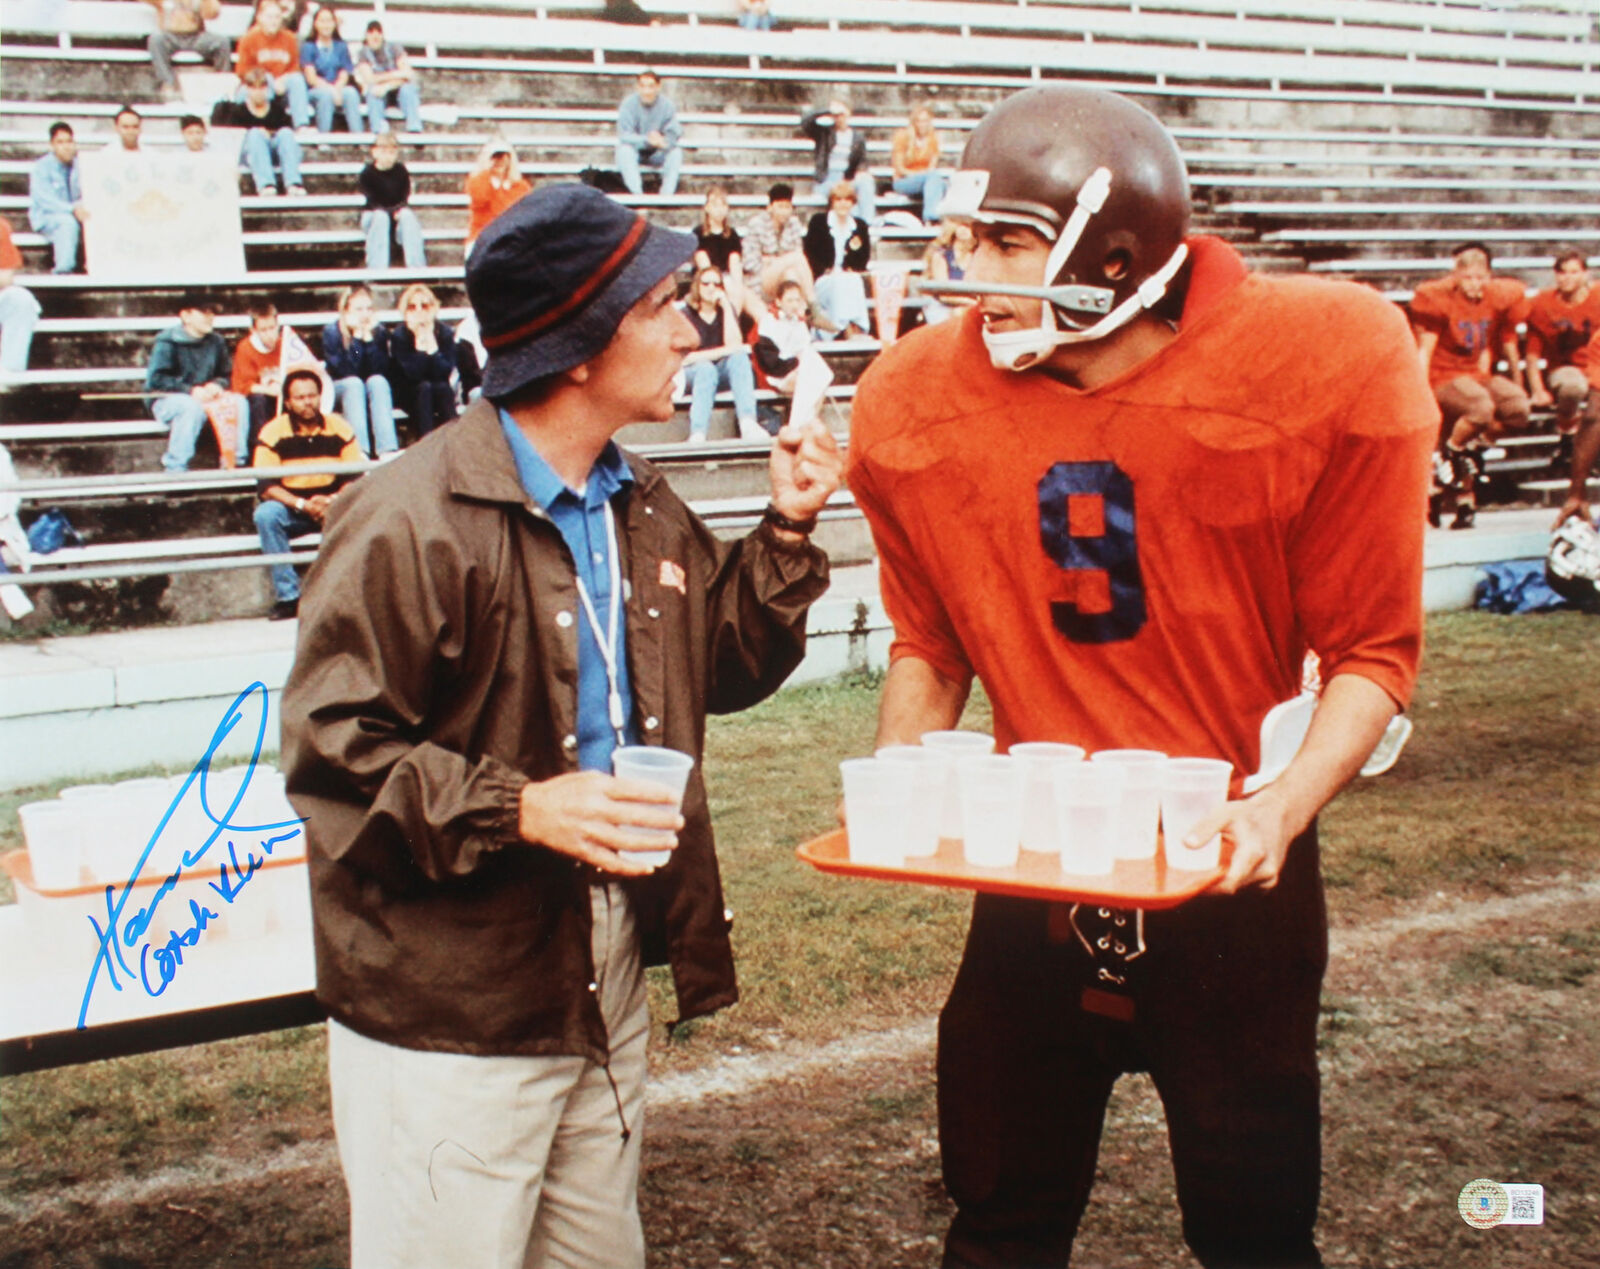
(1043,820)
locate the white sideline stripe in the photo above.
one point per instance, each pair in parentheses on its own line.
(738,1075)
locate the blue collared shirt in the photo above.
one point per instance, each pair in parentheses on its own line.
(54,189)
(581,521)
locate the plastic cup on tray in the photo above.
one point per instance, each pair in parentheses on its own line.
(877,803)
(1141,799)
(1037,760)
(1089,804)
(930,773)
(650,764)
(1190,788)
(991,809)
(955,745)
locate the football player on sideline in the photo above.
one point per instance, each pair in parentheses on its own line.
(1188,476)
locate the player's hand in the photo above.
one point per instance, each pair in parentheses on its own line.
(1575,505)
(1259,834)
(1541,397)
(597,818)
(806,468)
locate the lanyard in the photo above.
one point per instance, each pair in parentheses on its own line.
(607,639)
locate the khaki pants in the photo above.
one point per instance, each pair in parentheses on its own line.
(500,1162)
(1493,406)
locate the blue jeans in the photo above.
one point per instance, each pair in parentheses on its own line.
(669,161)
(276,524)
(65,233)
(370,399)
(185,419)
(756,21)
(323,100)
(410,101)
(260,149)
(19,314)
(377,225)
(294,87)
(707,377)
(930,185)
(843,297)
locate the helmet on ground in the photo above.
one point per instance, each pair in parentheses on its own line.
(1573,565)
(1103,182)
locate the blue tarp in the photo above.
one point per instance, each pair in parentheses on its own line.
(1517,586)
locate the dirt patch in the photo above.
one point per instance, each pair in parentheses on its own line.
(1461,1040)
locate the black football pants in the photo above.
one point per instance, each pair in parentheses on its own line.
(1225,1005)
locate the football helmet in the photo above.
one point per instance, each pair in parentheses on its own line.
(1102,181)
(1573,565)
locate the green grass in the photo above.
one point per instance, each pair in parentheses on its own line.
(1496,786)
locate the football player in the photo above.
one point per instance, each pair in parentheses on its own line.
(1128,490)
(1561,322)
(1461,319)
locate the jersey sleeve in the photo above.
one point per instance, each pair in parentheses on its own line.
(1355,549)
(1430,308)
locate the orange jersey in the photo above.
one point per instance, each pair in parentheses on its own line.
(1465,327)
(487,198)
(1560,331)
(278,54)
(249,365)
(1147,564)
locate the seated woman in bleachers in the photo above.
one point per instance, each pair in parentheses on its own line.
(947,259)
(721,361)
(494,183)
(721,248)
(386,184)
(355,349)
(838,247)
(330,73)
(429,372)
(269,147)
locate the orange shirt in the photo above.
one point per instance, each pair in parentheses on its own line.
(1560,331)
(1465,327)
(248,364)
(912,155)
(1147,564)
(276,54)
(487,198)
(10,257)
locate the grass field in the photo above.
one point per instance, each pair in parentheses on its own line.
(1495,793)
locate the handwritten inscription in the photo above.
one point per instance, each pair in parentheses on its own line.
(128,950)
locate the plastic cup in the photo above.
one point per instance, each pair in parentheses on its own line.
(55,847)
(108,848)
(1141,799)
(670,769)
(877,803)
(955,745)
(1089,805)
(930,775)
(991,808)
(1190,788)
(1038,759)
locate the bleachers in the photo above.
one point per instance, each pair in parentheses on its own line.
(1359,138)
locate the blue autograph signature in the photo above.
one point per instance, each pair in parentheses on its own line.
(123,939)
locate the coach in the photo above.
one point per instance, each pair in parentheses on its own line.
(489,616)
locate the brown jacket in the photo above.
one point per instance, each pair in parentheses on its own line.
(436,673)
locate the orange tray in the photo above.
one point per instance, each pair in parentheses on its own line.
(1135,883)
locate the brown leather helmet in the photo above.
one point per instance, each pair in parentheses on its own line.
(1101,180)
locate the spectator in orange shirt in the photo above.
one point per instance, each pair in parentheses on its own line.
(257,370)
(19,310)
(495,183)
(915,159)
(274,49)
(1461,320)
(1561,322)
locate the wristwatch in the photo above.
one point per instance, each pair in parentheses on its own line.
(778,520)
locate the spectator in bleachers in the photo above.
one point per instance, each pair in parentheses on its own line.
(841,152)
(1462,320)
(290,505)
(721,361)
(257,370)
(183,26)
(782,337)
(1560,323)
(838,247)
(129,124)
(269,47)
(915,159)
(385,73)
(19,310)
(946,260)
(755,15)
(355,349)
(426,364)
(192,128)
(269,140)
(492,186)
(772,246)
(189,370)
(330,72)
(718,247)
(386,184)
(648,133)
(55,198)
